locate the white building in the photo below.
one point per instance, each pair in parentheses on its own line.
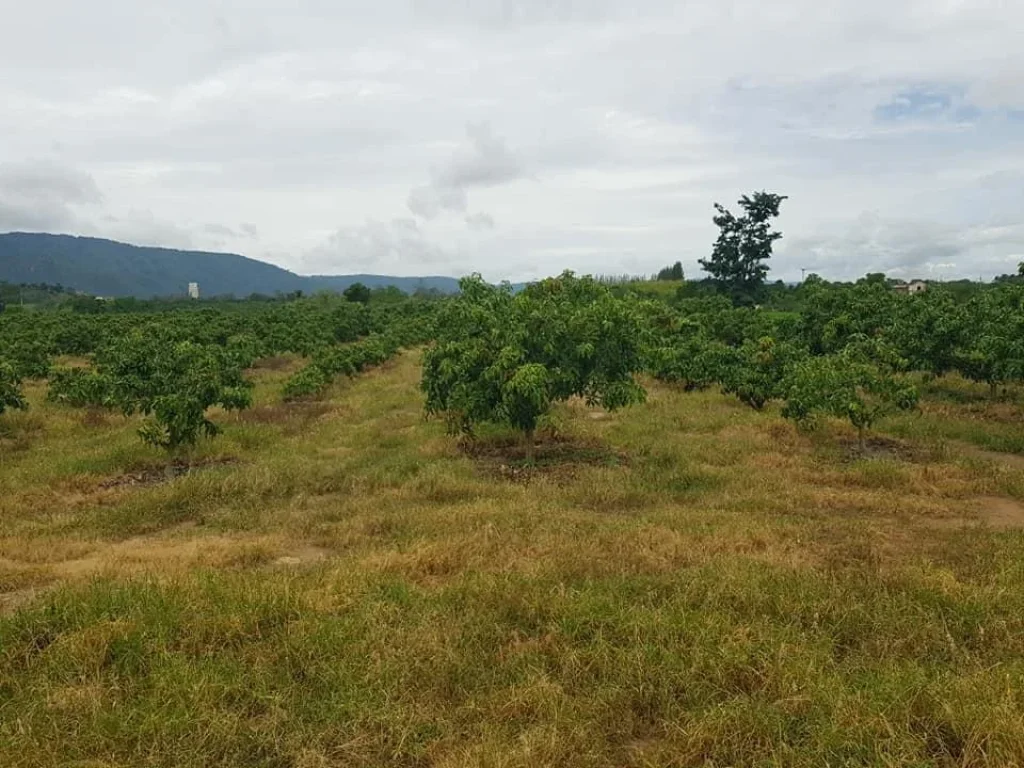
(193,290)
(915,286)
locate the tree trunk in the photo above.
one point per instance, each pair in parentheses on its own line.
(992,386)
(530,446)
(860,440)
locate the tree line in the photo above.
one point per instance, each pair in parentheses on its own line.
(494,354)
(171,367)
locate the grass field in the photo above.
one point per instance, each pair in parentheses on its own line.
(686,583)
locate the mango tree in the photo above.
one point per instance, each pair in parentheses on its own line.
(992,350)
(173,383)
(928,329)
(10,388)
(79,387)
(506,358)
(691,359)
(847,385)
(756,371)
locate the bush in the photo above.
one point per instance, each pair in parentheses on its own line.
(845,386)
(79,387)
(311,381)
(10,388)
(173,383)
(507,358)
(759,369)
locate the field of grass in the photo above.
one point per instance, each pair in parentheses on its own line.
(685,583)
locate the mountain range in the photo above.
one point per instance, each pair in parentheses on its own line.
(109,268)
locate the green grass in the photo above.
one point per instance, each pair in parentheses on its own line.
(955,409)
(355,590)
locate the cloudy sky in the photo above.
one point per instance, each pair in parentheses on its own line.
(520,137)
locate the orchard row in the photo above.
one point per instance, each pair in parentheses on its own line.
(494,355)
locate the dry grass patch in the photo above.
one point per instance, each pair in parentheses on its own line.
(293,417)
(169,471)
(684,583)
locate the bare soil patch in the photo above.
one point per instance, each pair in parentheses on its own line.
(996,513)
(293,416)
(167,472)
(554,455)
(1001,513)
(879,447)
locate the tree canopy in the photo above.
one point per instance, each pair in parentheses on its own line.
(358,293)
(675,272)
(10,388)
(506,358)
(737,262)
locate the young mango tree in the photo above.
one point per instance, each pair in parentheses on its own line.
(79,387)
(173,384)
(992,350)
(757,370)
(507,358)
(691,359)
(848,386)
(10,388)
(928,329)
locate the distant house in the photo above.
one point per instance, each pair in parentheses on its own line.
(193,290)
(914,286)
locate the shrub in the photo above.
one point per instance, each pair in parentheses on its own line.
(846,386)
(507,358)
(10,388)
(758,370)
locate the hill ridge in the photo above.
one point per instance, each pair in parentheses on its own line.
(106,267)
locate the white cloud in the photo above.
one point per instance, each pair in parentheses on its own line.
(484,160)
(42,196)
(395,247)
(600,132)
(480,222)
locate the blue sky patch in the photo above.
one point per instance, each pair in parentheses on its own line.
(925,103)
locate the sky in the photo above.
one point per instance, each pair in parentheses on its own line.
(518,138)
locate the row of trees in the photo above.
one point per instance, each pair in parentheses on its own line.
(173,367)
(29,340)
(316,376)
(738,265)
(850,354)
(860,383)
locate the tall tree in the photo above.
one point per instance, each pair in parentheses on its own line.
(675,272)
(357,292)
(737,263)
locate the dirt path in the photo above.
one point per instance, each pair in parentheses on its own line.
(1001,513)
(1014,460)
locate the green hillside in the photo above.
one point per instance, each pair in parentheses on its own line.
(109,268)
